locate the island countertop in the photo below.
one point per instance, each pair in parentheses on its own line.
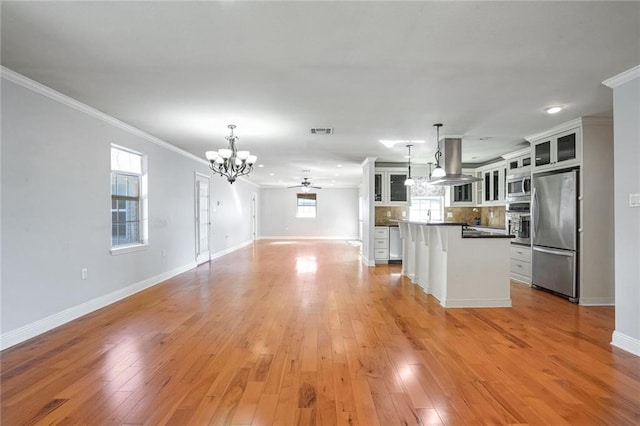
(461,271)
(471,233)
(416,222)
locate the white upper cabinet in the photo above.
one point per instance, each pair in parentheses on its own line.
(464,195)
(557,151)
(518,162)
(493,183)
(389,187)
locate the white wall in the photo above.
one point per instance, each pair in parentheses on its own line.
(626,111)
(367,189)
(336,215)
(56,211)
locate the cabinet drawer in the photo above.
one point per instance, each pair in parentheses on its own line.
(381,232)
(381,243)
(521,268)
(521,253)
(381,254)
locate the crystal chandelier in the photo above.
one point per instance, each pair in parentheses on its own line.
(229,162)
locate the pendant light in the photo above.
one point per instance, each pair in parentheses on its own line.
(409,181)
(438,172)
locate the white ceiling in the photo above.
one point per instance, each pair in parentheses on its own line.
(182,71)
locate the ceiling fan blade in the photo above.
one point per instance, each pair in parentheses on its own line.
(316,187)
(295,186)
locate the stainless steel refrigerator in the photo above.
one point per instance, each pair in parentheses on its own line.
(554,235)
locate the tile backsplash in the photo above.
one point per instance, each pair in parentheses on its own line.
(489,216)
(384,214)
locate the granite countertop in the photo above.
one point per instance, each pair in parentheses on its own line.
(488,227)
(484,235)
(413,222)
(466,233)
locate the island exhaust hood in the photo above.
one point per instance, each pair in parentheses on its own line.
(453,165)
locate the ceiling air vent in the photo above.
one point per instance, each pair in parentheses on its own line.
(322,131)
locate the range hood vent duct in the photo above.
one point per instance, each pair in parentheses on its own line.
(453,165)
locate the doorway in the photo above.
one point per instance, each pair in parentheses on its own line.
(254,215)
(202,219)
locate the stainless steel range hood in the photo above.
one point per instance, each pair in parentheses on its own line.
(453,165)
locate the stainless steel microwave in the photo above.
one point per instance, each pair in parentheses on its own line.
(519,187)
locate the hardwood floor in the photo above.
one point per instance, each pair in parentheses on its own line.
(300,332)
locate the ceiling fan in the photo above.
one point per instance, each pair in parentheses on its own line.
(305,185)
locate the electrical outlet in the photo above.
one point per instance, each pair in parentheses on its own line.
(164,253)
(404,213)
(388,213)
(634,200)
(83,273)
(449,215)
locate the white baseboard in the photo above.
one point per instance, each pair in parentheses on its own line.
(230,249)
(521,279)
(43,325)
(597,301)
(476,303)
(366,261)
(627,343)
(289,237)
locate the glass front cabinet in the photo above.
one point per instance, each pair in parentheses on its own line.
(493,183)
(389,187)
(557,151)
(464,195)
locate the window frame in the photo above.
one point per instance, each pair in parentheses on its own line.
(425,217)
(142,198)
(308,196)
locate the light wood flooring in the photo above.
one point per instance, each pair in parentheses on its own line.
(300,332)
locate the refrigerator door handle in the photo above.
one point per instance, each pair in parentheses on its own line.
(550,251)
(534,212)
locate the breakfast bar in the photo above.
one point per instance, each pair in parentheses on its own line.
(460,268)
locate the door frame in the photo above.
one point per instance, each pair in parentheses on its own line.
(205,256)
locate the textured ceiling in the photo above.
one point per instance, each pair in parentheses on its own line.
(182,71)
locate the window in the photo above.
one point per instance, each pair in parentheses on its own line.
(306,205)
(424,209)
(128,198)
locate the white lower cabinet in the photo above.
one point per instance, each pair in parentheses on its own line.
(381,244)
(521,263)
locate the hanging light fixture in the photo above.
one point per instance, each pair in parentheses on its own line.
(438,172)
(229,162)
(409,181)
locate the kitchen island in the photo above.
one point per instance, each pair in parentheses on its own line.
(460,269)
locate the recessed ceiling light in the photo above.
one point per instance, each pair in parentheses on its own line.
(260,165)
(553,109)
(339,165)
(271,174)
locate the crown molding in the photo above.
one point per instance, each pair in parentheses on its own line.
(623,77)
(578,122)
(48,92)
(518,153)
(558,129)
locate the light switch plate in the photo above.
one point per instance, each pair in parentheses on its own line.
(634,200)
